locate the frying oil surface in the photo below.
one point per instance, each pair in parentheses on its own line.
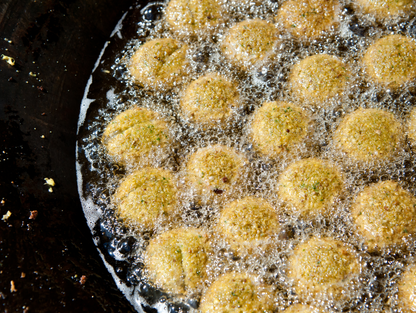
(376,285)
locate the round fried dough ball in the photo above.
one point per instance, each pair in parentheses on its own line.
(369,135)
(145,196)
(407,290)
(215,169)
(194,17)
(391,60)
(311,186)
(411,127)
(248,223)
(309,18)
(386,8)
(176,260)
(137,137)
(384,214)
(319,77)
(237,292)
(279,127)
(323,268)
(249,42)
(160,64)
(210,99)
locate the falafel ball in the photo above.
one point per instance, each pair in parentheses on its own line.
(249,42)
(319,77)
(279,127)
(194,17)
(369,135)
(311,186)
(215,170)
(145,196)
(210,99)
(384,213)
(160,64)
(383,9)
(176,260)
(137,136)
(323,268)
(391,61)
(309,18)
(407,290)
(248,223)
(237,292)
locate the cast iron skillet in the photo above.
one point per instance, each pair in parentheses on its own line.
(50,258)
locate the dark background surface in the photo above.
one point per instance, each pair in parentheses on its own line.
(45,257)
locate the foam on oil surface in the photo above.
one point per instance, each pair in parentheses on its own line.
(98,177)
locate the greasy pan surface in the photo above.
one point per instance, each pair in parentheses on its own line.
(48,262)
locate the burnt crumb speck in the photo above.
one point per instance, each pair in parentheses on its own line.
(218,191)
(83,280)
(12,287)
(33,215)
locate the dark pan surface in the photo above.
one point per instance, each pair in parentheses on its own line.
(45,257)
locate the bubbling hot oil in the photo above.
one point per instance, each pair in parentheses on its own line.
(125,246)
